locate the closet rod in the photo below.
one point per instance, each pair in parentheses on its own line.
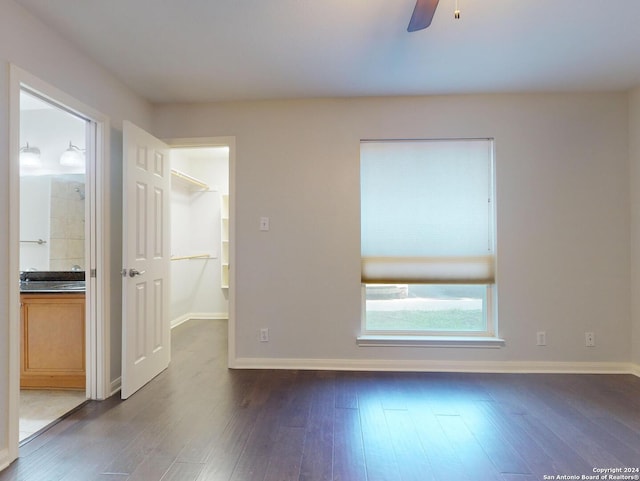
(195,256)
(188,178)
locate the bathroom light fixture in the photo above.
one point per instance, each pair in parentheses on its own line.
(29,156)
(72,157)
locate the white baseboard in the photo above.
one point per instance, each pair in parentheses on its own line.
(115,385)
(5,461)
(198,315)
(179,320)
(435,366)
(635,369)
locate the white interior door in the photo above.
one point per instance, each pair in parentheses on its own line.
(146,336)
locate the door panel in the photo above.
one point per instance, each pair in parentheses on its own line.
(146,340)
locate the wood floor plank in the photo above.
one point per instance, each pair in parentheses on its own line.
(286,455)
(392,390)
(471,453)
(109,477)
(183,472)
(411,460)
(254,460)
(317,456)
(348,452)
(378,450)
(151,428)
(570,449)
(497,446)
(151,468)
(574,428)
(444,460)
(204,435)
(509,425)
(520,477)
(623,432)
(565,459)
(200,421)
(229,445)
(620,427)
(299,399)
(440,395)
(346,387)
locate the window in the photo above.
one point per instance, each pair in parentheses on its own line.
(427,237)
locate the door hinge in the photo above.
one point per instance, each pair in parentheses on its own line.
(93,273)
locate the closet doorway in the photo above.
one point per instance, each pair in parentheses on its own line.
(178,231)
(200,230)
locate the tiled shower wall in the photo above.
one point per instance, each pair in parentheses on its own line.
(67,224)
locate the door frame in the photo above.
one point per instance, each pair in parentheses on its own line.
(98,287)
(230,142)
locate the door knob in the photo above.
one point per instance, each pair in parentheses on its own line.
(135,272)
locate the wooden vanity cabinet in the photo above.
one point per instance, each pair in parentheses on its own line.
(53,341)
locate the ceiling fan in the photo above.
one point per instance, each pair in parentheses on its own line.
(422,14)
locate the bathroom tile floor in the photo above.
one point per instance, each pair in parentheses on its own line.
(39,408)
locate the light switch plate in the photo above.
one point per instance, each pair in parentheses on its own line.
(264,223)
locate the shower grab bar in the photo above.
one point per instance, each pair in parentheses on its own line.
(39,241)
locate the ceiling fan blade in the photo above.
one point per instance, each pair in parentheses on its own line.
(422,15)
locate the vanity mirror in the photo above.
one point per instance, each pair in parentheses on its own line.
(52,187)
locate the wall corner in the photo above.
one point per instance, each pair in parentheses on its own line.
(634,176)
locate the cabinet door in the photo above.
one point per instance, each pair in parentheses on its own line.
(53,341)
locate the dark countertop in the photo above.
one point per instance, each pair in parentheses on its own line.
(52,286)
(52,282)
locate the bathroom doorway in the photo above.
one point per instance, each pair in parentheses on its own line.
(85,260)
(54,233)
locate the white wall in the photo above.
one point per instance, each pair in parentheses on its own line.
(35,222)
(634,156)
(50,130)
(563,208)
(27,43)
(195,229)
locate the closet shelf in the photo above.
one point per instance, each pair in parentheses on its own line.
(194,256)
(224,241)
(190,179)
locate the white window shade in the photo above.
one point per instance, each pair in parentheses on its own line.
(433,270)
(427,213)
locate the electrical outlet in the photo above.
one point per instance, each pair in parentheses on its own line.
(264,334)
(541,338)
(589,339)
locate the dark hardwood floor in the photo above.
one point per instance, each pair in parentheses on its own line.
(201,421)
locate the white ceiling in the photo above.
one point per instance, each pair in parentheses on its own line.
(208,50)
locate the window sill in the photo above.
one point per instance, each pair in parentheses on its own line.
(430,341)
